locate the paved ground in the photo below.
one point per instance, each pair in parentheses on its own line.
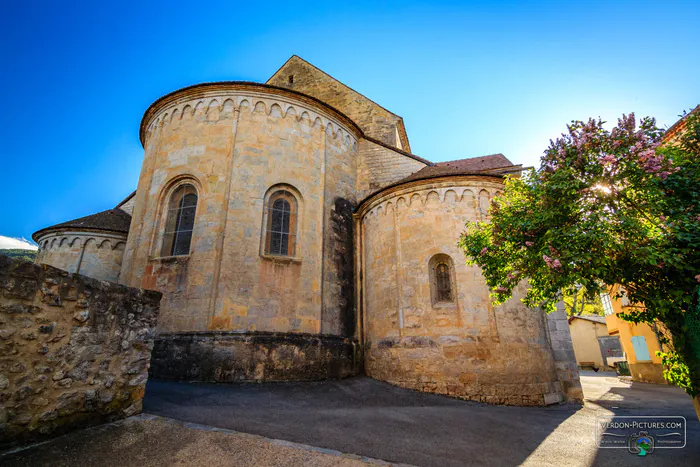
(147,440)
(368,418)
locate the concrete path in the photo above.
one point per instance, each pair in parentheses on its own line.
(363,417)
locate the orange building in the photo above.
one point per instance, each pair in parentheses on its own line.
(640,342)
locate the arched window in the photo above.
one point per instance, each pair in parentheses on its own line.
(281,224)
(179,225)
(443,283)
(441,279)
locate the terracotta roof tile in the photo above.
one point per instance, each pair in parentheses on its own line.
(461,166)
(113,220)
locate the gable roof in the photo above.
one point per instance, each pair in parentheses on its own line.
(112,220)
(332,95)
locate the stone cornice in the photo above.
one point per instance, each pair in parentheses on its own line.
(41,235)
(227,88)
(487,180)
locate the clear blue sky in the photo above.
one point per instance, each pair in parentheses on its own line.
(469,78)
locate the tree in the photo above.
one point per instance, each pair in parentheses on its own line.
(577,303)
(24,255)
(605,208)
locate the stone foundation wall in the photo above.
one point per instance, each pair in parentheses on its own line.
(74,351)
(253,356)
(471,369)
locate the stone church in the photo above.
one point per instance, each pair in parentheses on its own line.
(295,236)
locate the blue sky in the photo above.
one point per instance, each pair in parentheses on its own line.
(469,78)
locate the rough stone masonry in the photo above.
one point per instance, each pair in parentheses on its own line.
(74,351)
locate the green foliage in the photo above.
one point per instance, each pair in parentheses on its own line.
(675,370)
(25,255)
(604,208)
(577,304)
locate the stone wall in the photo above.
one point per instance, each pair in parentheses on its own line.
(563,352)
(93,254)
(379,166)
(464,347)
(237,144)
(73,350)
(253,356)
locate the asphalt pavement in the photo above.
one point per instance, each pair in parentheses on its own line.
(360,421)
(370,418)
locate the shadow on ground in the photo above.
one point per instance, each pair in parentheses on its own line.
(368,418)
(365,417)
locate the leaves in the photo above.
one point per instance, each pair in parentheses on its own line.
(604,208)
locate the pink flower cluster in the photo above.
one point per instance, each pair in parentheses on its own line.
(607,159)
(484,251)
(501,289)
(529,244)
(552,263)
(697,278)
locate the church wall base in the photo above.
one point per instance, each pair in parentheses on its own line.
(494,373)
(253,356)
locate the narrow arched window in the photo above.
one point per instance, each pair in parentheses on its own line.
(441,279)
(179,225)
(280,239)
(443,283)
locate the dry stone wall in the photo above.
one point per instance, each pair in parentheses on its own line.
(73,350)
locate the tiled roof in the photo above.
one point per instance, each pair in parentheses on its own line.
(113,220)
(462,166)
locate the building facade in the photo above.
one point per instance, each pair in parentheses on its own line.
(593,346)
(294,236)
(639,341)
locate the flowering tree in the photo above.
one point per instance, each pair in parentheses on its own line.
(604,208)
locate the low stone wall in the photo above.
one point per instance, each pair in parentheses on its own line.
(74,351)
(253,356)
(648,372)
